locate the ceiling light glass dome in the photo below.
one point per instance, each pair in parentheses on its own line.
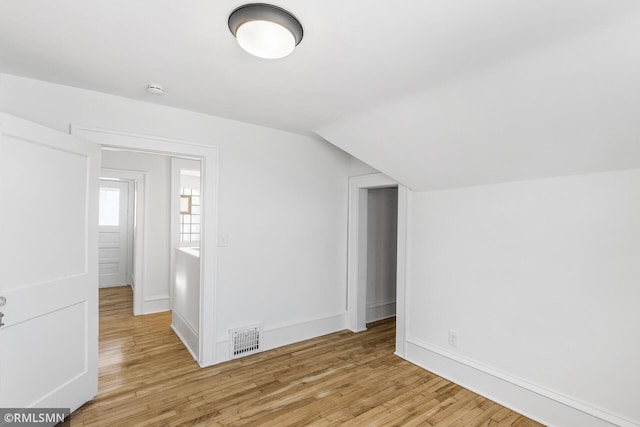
(265,30)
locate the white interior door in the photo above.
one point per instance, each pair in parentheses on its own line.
(113,240)
(48,266)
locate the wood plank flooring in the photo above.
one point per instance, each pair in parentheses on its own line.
(148,378)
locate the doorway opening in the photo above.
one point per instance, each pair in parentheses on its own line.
(381,242)
(203,347)
(115,232)
(136,223)
(375,264)
(170,276)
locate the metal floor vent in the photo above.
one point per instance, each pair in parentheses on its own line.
(245,341)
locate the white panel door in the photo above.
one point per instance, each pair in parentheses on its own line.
(113,236)
(48,266)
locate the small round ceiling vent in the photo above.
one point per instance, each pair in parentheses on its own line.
(155,89)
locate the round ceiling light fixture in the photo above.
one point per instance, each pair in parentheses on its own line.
(264,30)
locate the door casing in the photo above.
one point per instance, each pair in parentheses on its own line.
(357,254)
(208,154)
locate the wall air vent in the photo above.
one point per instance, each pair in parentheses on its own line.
(245,341)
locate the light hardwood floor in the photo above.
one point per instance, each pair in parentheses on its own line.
(148,378)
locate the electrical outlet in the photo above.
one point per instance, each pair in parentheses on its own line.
(453,338)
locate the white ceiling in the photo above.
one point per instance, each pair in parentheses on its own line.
(356,56)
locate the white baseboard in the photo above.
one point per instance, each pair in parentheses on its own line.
(381,310)
(156,304)
(113,285)
(186,333)
(280,335)
(540,404)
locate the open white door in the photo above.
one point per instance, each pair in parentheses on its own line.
(48,267)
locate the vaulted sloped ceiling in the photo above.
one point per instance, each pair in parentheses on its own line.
(435,93)
(567,108)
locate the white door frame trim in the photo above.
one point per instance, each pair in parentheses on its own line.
(209,156)
(139,179)
(357,260)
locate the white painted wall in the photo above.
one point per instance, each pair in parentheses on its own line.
(282,203)
(382,234)
(186,299)
(540,280)
(156,254)
(185,313)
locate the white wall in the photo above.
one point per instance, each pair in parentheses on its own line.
(382,234)
(185,313)
(156,272)
(541,281)
(282,203)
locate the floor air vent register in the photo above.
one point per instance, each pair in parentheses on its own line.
(245,341)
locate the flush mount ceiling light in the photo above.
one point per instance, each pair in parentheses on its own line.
(265,30)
